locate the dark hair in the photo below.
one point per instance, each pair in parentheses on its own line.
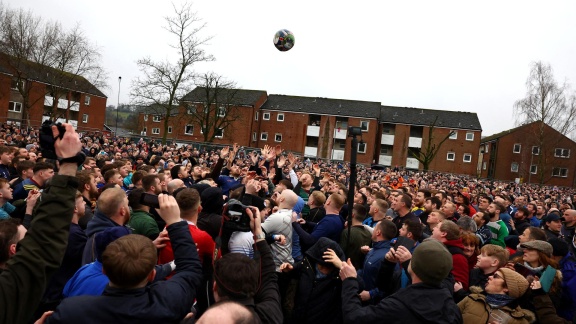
(426,192)
(134,198)
(285,182)
(415,228)
(387,228)
(109,174)
(407,200)
(138,176)
(149,180)
(8,236)
(236,276)
(537,233)
(40,166)
(129,260)
(23,165)
(524,211)
(436,202)
(175,171)
(84,177)
(187,199)
(359,212)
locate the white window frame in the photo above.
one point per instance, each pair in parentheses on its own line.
(514,148)
(467,155)
(454,134)
(15,104)
(15,81)
(254,136)
(276,138)
(145,130)
(155,131)
(484,165)
(156,118)
(189,127)
(86,100)
(85,118)
(359,150)
(561,153)
(222,112)
(486,148)
(537,148)
(169,129)
(145,117)
(367,123)
(280,117)
(469,136)
(535,167)
(560,172)
(264,136)
(266,116)
(221,136)
(514,167)
(453,156)
(256,115)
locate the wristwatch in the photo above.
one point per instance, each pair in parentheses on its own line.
(260,236)
(79,158)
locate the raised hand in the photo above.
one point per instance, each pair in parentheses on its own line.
(347,270)
(224,152)
(330,256)
(69,145)
(169,210)
(281,161)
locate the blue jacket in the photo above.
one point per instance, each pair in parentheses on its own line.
(88,280)
(372,266)
(330,226)
(97,224)
(162,302)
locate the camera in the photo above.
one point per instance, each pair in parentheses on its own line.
(235,217)
(47,138)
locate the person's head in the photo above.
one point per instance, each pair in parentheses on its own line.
(11,232)
(175,184)
(446,231)
(471,244)
(495,209)
(151,184)
(467,224)
(532,233)
(384,230)
(236,277)
(129,261)
(282,185)
(432,203)
(113,203)
(554,221)
(431,263)
(113,177)
(435,217)
(89,163)
(402,203)
(134,199)
(421,196)
(537,253)
(188,200)
(492,257)
(412,230)
(484,202)
(178,172)
(521,213)
(540,211)
(137,178)
(481,218)
(25,169)
(560,248)
(507,282)
(334,203)
(359,213)
(569,217)
(5,190)
(449,208)
(227,313)
(79,205)
(306,179)
(378,207)
(360,198)
(6,155)
(43,171)
(317,198)
(87,183)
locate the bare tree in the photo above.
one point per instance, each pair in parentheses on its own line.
(427,153)
(214,105)
(547,103)
(164,83)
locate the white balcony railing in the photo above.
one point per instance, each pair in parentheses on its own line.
(313,131)
(415,142)
(340,133)
(412,163)
(387,139)
(310,151)
(72,122)
(62,103)
(385,160)
(338,155)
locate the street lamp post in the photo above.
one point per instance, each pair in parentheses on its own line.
(118,106)
(352,132)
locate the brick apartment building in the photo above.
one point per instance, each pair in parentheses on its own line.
(533,153)
(318,128)
(28,92)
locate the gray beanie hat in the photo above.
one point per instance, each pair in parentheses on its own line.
(431,262)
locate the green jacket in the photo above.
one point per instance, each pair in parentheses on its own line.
(39,254)
(143,223)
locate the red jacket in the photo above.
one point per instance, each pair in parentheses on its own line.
(459,262)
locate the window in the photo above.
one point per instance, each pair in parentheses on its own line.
(156,118)
(144,131)
(15,83)
(145,117)
(264,136)
(190,111)
(467,157)
(361,147)
(254,137)
(535,150)
(469,136)
(256,115)
(219,133)
(15,106)
(222,112)
(560,172)
(453,134)
(517,148)
(563,153)
(85,118)
(169,129)
(514,167)
(189,129)
(87,100)
(280,117)
(486,148)
(266,116)
(483,165)
(364,125)
(155,131)
(451,156)
(278,138)
(533,169)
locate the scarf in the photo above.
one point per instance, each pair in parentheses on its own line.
(536,271)
(498,300)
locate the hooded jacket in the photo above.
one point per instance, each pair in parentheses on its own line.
(475,309)
(210,218)
(98,223)
(460,269)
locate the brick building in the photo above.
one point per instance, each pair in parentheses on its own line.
(318,128)
(31,93)
(533,153)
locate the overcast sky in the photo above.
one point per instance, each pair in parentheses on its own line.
(449,55)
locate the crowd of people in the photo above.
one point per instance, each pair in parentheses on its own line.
(119,230)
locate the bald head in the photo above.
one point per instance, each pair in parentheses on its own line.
(110,201)
(174,184)
(227,313)
(288,199)
(570,217)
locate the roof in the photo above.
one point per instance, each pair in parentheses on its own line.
(498,135)
(426,117)
(323,106)
(236,96)
(48,75)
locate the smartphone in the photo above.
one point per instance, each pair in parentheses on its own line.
(405,242)
(521,269)
(149,200)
